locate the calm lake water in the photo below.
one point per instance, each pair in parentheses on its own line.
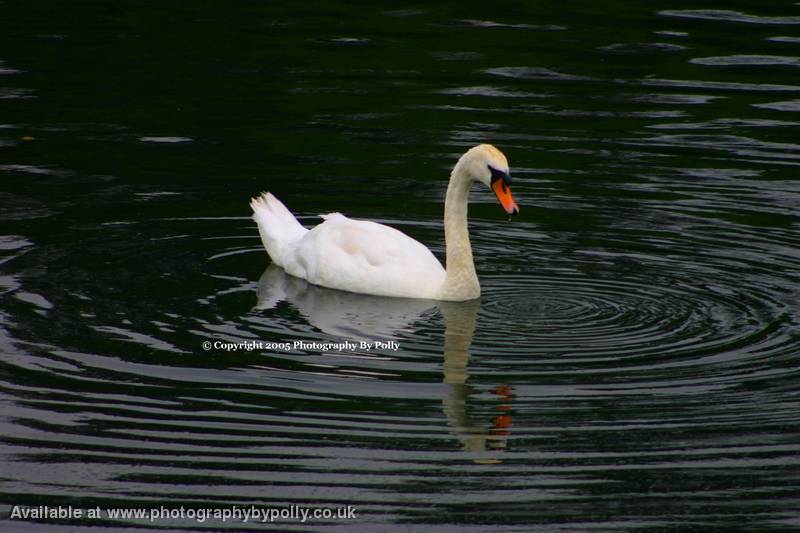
(631,365)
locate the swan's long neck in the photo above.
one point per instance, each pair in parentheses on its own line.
(461,281)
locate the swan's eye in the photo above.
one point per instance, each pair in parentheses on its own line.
(500,175)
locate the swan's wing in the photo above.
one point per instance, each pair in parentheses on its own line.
(366,257)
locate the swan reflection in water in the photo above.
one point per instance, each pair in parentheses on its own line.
(364,317)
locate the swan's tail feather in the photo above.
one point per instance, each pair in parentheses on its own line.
(277,226)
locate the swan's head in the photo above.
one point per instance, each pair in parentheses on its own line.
(487,164)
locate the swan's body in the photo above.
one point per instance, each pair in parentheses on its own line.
(370,258)
(354,255)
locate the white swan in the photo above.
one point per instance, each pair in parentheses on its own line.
(370,258)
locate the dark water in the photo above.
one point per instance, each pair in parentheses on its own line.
(631,365)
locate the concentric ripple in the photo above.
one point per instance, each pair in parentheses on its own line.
(615,320)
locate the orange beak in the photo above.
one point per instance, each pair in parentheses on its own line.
(503,193)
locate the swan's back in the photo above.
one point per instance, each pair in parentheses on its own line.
(365,257)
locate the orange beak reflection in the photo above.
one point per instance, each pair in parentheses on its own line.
(503,193)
